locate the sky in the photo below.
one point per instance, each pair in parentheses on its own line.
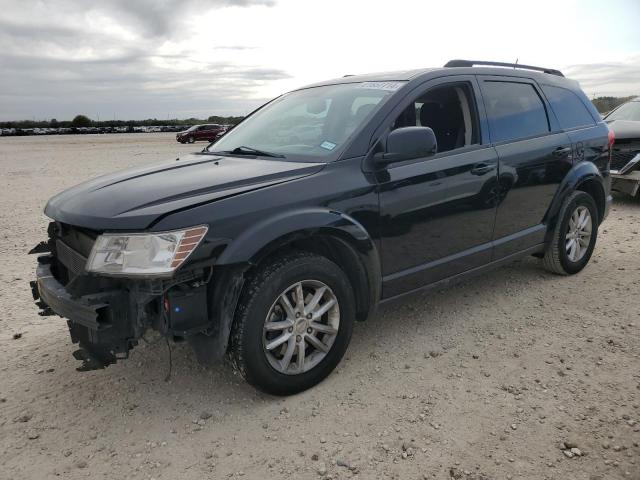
(136,59)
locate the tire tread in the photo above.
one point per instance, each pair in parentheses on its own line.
(551,259)
(260,277)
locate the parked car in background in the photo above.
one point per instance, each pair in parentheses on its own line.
(624,121)
(208,132)
(269,244)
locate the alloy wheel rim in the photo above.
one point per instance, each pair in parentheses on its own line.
(301,327)
(578,236)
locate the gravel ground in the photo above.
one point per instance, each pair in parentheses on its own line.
(485,380)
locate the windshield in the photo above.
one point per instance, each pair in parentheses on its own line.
(628,111)
(314,122)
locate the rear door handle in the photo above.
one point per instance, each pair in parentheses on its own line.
(482,168)
(562,151)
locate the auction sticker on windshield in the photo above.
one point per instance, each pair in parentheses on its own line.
(328,145)
(390,86)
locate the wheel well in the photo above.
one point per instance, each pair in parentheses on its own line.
(593,188)
(336,249)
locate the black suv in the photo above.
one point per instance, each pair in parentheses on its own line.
(321,204)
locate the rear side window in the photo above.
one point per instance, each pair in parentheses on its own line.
(515,111)
(569,109)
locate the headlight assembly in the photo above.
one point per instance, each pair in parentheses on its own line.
(144,254)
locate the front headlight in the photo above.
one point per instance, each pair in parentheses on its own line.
(143,253)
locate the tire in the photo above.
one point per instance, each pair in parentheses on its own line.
(191,140)
(182,142)
(556,257)
(261,298)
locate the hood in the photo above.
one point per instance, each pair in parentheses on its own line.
(133,199)
(625,129)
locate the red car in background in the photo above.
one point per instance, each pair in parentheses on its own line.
(208,132)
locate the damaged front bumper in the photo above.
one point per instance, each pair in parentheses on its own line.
(109,320)
(626,178)
(99,323)
(628,183)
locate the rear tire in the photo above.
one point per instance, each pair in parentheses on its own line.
(299,362)
(570,248)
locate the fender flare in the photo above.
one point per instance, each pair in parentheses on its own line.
(263,238)
(248,244)
(579,174)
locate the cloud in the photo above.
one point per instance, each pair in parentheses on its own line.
(608,79)
(119,57)
(159,18)
(129,86)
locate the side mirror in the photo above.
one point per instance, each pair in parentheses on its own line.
(407,143)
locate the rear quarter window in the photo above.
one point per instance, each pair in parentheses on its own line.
(515,111)
(569,109)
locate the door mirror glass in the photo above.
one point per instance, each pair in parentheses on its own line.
(407,143)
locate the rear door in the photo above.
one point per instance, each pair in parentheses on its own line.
(588,133)
(534,156)
(202,132)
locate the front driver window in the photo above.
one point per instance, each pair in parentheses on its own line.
(449,111)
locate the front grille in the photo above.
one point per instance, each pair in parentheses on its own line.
(70,248)
(619,157)
(73,261)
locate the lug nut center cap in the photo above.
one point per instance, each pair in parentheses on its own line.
(301,326)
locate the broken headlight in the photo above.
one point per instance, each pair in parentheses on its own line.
(145,254)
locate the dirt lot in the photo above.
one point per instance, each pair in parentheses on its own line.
(481,381)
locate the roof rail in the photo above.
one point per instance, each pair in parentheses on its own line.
(471,63)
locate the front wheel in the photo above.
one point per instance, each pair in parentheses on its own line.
(574,236)
(293,323)
(192,139)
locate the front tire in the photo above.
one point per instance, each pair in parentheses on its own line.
(192,140)
(293,323)
(574,236)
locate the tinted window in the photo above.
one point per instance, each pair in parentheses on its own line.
(515,111)
(449,111)
(569,109)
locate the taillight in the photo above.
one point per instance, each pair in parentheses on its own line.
(612,138)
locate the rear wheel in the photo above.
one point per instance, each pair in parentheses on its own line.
(574,236)
(293,323)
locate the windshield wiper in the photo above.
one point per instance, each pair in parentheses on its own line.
(242,150)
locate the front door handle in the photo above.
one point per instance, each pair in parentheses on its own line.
(562,151)
(482,168)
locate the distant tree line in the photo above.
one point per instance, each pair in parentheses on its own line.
(603,104)
(84,121)
(606,104)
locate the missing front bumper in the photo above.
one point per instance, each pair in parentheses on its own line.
(108,324)
(99,323)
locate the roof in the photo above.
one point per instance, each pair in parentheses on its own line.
(553,78)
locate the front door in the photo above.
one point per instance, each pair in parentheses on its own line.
(437,212)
